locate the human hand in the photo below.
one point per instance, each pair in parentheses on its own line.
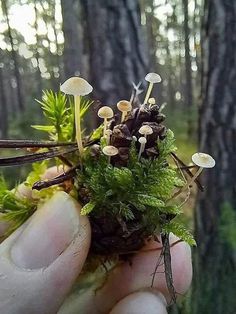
(41,260)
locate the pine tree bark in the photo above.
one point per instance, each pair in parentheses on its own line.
(55,31)
(72,48)
(3,107)
(215,267)
(14,55)
(36,53)
(188,69)
(115,46)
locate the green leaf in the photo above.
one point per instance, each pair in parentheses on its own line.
(14,209)
(180,231)
(126,212)
(46,128)
(60,116)
(150,200)
(87,208)
(167,146)
(39,168)
(97,134)
(123,177)
(85,103)
(174,209)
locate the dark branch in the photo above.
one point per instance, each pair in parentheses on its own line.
(168,268)
(69,174)
(30,143)
(30,158)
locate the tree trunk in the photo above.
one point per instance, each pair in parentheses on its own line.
(14,59)
(188,69)
(72,48)
(3,107)
(115,45)
(215,267)
(36,53)
(58,57)
(171,92)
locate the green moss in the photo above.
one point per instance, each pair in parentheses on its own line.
(14,209)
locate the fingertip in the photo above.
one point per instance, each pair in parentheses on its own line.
(182,267)
(64,271)
(53,172)
(141,303)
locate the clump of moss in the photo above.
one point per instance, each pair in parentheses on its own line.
(125,174)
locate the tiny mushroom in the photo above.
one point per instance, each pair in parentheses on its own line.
(110,151)
(151,101)
(105,113)
(145,130)
(151,78)
(142,140)
(202,160)
(124,106)
(108,134)
(77,87)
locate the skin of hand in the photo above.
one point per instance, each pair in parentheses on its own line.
(40,262)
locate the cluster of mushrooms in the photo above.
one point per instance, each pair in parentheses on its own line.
(141,125)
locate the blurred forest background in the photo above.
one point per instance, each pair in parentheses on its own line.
(192,45)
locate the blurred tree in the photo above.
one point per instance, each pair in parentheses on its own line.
(72,46)
(115,46)
(3,104)
(37,55)
(197,19)
(111,43)
(215,267)
(188,68)
(20,97)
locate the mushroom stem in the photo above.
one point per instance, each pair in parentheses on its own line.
(124,113)
(142,141)
(149,90)
(108,136)
(141,149)
(105,127)
(77,124)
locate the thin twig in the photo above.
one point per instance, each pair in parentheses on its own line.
(69,174)
(168,268)
(149,250)
(158,263)
(30,143)
(188,171)
(178,192)
(188,167)
(30,158)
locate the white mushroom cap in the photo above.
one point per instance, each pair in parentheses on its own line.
(105,112)
(76,86)
(124,105)
(110,150)
(153,78)
(142,140)
(145,130)
(134,138)
(152,101)
(203,160)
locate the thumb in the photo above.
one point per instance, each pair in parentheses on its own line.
(41,260)
(141,303)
